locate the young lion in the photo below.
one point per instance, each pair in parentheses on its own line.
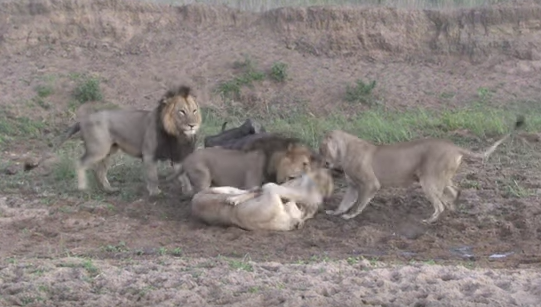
(368,168)
(241,169)
(262,208)
(169,132)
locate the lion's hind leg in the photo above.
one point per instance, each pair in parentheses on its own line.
(225,190)
(450,196)
(295,214)
(434,192)
(102,168)
(243,196)
(91,156)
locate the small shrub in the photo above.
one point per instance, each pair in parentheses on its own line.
(279,71)
(44,90)
(250,74)
(361,92)
(88,90)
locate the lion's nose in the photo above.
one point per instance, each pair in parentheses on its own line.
(191,126)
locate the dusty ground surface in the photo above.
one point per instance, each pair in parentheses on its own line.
(165,281)
(419,58)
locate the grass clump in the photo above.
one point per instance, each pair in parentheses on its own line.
(380,125)
(44,91)
(279,71)
(18,128)
(249,74)
(88,89)
(361,92)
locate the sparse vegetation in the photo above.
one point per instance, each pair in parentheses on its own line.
(279,72)
(361,92)
(20,128)
(382,125)
(265,5)
(241,265)
(249,74)
(88,89)
(44,91)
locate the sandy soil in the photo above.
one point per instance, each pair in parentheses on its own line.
(166,281)
(419,58)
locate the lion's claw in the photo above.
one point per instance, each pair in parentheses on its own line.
(347,216)
(231,201)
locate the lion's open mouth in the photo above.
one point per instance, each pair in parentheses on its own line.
(191,131)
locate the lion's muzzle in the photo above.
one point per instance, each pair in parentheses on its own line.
(190,129)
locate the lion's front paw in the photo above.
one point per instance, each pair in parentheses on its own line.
(155,192)
(111,189)
(348,216)
(233,201)
(427,221)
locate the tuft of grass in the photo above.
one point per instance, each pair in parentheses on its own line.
(380,125)
(44,91)
(361,92)
(20,128)
(90,267)
(279,71)
(88,89)
(250,74)
(120,247)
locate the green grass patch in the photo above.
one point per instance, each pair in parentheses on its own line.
(249,74)
(383,126)
(88,89)
(361,92)
(279,72)
(44,91)
(18,128)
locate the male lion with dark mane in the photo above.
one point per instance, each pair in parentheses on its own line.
(368,168)
(274,159)
(169,132)
(262,208)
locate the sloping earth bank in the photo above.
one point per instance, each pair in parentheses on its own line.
(417,57)
(138,48)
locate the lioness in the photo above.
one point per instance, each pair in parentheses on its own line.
(430,162)
(276,160)
(169,132)
(262,208)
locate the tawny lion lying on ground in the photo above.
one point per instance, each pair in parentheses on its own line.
(368,168)
(262,208)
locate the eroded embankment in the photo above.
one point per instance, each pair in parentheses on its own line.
(474,34)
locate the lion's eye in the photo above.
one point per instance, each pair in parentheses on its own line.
(182,112)
(194,111)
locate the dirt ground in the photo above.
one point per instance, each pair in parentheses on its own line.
(65,248)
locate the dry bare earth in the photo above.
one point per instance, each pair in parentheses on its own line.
(416,57)
(213,282)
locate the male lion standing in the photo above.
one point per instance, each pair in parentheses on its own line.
(169,132)
(368,168)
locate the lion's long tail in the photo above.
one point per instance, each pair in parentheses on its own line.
(485,154)
(68,134)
